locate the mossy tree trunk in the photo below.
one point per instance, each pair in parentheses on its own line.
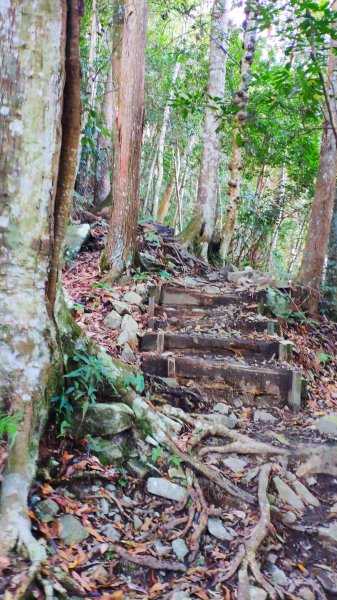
(33,214)
(127,138)
(240,101)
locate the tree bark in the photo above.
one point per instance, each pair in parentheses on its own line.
(240,100)
(208,178)
(311,270)
(330,284)
(281,197)
(33,38)
(161,144)
(128,139)
(104,144)
(32,51)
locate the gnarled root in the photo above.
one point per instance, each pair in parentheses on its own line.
(247,554)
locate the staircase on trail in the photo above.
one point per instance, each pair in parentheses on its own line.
(221,343)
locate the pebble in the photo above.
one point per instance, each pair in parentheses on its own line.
(161,549)
(133,298)
(255,593)
(327,425)
(278,576)
(305,593)
(137,522)
(217,529)
(221,408)
(71,530)
(162,487)
(264,416)
(179,548)
(105,506)
(121,307)
(111,533)
(113,320)
(237,465)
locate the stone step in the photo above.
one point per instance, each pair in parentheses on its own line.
(177,296)
(265,350)
(283,384)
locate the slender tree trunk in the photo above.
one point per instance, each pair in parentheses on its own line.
(32,50)
(165,201)
(150,182)
(281,196)
(104,144)
(71,128)
(128,139)
(330,284)
(240,100)
(204,221)
(310,273)
(161,144)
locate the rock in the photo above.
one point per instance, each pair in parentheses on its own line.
(264,416)
(121,307)
(137,522)
(288,495)
(98,573)
(278,303)
(47,510)
(305,593)
(104,419)
(142,290)
(211,289)
(235,464)
(161,549)
(176,473)
(132,298)
(327,425)
(107,451)
(162,487)
(181,596)
(240,276)
(289,518)
(113,320)
(217,529)
(255,593)
(278,576)
(71,530)
(328,581)
(179,548)
(308,498)
(74,239)
(127,355)
(329,533)
(111,533)
(226,270)
(129,331)
(138,468)
(105,506)
(221,408)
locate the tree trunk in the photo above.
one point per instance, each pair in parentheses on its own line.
(165,201)
(240,100)
(311,270)
(281,197)
(208,178)
(128,139)
(161,144)
(330,284)
(104,143)
(33,46)
(150,183)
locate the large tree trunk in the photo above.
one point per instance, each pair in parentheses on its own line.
(33,44)
(204,221)
(128,139)
(240,100)
(330,284)
(161,144)
(310,273)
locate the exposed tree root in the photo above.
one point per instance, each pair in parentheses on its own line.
(149,561)
(246,558)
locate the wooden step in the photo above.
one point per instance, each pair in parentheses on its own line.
(169,295)
(162,342)
(284,384)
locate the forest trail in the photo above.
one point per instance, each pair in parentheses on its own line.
(231,503)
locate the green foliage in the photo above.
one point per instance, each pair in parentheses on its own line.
(324,358)
(9,426)
(164,274)
(136,381)
(174,461)
(157,453)
(142,276)
(101,285)
(85,381)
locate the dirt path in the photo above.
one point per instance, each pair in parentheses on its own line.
(222,487)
